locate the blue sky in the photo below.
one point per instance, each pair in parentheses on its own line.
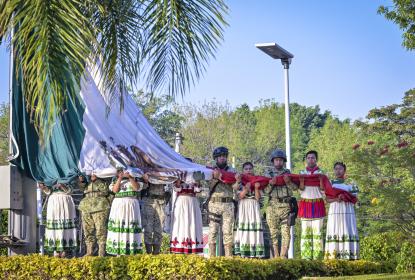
(348,59)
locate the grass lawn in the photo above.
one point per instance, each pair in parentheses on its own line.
(369,277)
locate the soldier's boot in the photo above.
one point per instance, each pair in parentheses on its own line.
(284,251)
(228,250)
(156,249)
(276,250)
(89,249)
(101,250)
(212,249)
(149,248)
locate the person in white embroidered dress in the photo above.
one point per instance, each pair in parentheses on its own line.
(60,234)
(342,237)
(124,224)
(187,235)
(311,211)
(249,239)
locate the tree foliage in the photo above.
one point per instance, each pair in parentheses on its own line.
(4,133)
(403,14)
(166,43)
(161,114)
(250,133)
(380,158)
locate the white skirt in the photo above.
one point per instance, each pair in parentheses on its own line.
(342,239)
(249,239)
(60,234)
(124,227)
(186,236)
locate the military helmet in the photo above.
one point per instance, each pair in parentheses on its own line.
(220,151)
(278,153)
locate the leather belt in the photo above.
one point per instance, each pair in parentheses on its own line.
(281,200)
(221,199)
(156,196)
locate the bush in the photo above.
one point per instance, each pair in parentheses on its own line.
(176,267)
(3,229)
(382,247)
(406,260)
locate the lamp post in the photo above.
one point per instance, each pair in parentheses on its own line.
(277,52)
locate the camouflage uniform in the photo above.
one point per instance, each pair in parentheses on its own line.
(95,207)
(278,210)
(153,217)
(221,207)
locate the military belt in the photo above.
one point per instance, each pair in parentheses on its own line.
(96,194)
(221,199)
(156,196)
(282,200)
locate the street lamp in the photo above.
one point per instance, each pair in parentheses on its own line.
(277,52)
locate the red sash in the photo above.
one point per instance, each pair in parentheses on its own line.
(309,180)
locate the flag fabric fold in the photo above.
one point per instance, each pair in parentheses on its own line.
(89,138)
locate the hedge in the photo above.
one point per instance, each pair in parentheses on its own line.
(177,267)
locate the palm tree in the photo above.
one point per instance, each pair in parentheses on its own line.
(167,44)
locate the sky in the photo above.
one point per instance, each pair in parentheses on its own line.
(347,58)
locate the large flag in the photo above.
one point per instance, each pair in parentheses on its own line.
(90,139)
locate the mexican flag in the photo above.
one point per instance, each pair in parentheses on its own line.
(89,138)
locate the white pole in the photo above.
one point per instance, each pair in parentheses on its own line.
(11,66)
(287,114)
(11,61)
(40,220)
(286,63)
(177,142)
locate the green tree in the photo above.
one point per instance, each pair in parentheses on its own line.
(387,163)
(4,133)
(250,134)
(303,121)
(161,114)
(205,128)
(334,143)
(403,14)
(166,43)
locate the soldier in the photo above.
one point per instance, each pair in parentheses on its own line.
(95,208)
(279,209)
(154,201)
(221,206)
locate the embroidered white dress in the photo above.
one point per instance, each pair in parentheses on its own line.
(124,223)
(311,213)
(60,234)
(187,227)
(249,235)
(342,238)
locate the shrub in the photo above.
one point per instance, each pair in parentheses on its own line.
(176,267)
(406,260)
(382,247)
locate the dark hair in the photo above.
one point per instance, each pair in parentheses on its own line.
(311,152)
(247,163)
(341,164)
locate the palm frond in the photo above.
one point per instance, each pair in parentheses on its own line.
(51,44)
(55,40)
(181,36)
(118,24)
